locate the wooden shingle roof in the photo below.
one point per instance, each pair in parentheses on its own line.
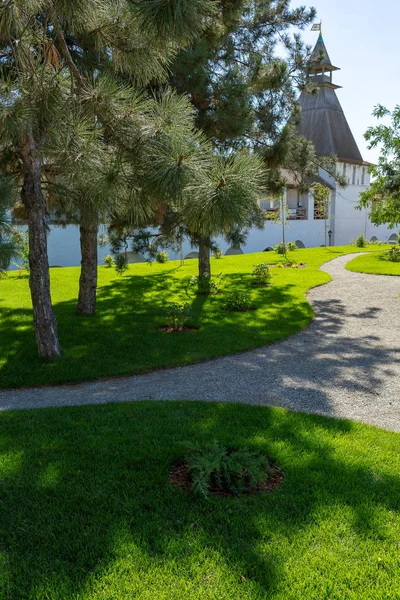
(323,121)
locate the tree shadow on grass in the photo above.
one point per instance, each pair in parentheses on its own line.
(86,504)
(123,337)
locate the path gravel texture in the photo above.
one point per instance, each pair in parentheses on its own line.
(346,364)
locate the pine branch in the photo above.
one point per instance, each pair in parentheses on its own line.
(73,69)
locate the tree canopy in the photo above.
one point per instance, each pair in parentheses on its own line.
(51,84)
(383,197)
(243,73)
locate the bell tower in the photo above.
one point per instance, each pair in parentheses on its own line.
(322,118)
(321,67)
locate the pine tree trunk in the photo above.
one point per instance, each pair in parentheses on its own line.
(88,279)
(204,257)
(39,281)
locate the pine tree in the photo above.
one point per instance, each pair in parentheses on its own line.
(202,194)
(41,82)
(243,89)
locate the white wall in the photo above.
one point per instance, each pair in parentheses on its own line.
(64,247)
(348,223)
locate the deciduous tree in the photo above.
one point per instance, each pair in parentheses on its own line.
(383,197)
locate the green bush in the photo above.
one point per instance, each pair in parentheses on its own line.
(361,241)
(205,286)
(162,257)
(108,261)
(261,273)
(213,468)
(393,254)
(177,314)
(237,301)
(217,253)
(280,248)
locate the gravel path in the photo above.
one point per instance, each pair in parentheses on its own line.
(346,364)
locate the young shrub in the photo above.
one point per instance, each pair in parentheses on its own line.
(217,253)
(177,314)
(292,246)
(360,241)
(121,263)
(214,469)
(205,286)
(237,302)
(162,257)
(108,261)
(393,254)
(261,274)
(280,248)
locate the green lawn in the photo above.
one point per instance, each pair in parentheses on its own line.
(87,512)
(375,264)
(123,336)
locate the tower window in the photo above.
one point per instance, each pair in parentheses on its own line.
(363,176)
(344,169)
(354,176)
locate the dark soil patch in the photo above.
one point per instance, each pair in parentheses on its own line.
(169,329)
(180,477)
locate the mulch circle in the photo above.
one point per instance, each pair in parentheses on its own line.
(179,476)
(167,329)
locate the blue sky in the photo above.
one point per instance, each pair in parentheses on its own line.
(363,39)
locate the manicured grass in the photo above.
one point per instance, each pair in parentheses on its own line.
(375,264)
(123,336)
(87,512)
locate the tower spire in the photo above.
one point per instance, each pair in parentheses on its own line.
(322,119)
(320,65)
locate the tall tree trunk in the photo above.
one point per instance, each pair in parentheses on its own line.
(88,279)
(204,257)
(39,280)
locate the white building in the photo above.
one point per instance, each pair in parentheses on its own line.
(324,123)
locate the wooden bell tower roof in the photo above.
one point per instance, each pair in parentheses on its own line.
(322,118)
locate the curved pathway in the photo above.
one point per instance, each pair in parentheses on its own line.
(346,364)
